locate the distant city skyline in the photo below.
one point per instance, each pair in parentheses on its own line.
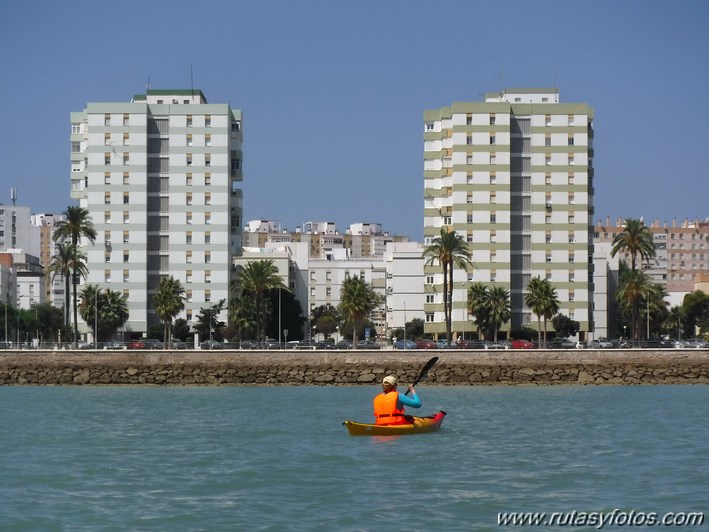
(333,94)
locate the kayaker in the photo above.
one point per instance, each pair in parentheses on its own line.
(389,405)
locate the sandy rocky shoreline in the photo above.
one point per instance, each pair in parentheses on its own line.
(323,368)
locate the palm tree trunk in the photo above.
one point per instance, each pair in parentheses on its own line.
(76,323)
(539,330)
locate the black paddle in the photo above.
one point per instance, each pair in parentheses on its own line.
(424,371)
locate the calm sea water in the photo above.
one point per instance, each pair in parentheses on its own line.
(141,458)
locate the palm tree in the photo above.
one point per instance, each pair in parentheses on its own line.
(541,298)
(258,277)
(357,300)
(242,313)
(112,310)
(635,239)
(449,250)
(61,266)
(77,224)
(88,307)
(499,305)
(633,288)
(168,301)
(478,298)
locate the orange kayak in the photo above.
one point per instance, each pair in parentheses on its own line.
(418,425)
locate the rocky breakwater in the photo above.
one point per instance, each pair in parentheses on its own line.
(352,367)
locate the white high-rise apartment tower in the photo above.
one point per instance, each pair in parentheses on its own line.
(514,176)
(159,177)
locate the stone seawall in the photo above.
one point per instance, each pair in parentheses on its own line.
(244,368)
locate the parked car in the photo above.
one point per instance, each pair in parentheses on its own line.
(136,344)
(178,344)
(115,344)
(601,343)
(424,343)
(367,344)
(152,343)
(522,344)
(696,343)
(211,344)
(343,344)
(404,344)
(444,344)
(470,344)
(503,344)
(561,343)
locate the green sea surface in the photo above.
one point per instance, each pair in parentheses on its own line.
(279,458)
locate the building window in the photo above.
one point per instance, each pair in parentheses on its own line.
(493,178)
(126,139)
(547,120)
(106,198)
(126,217)
(208,140)
(107,178)
(570,140)
(429,317)
(429,279)
(493,140)
(207,218)
(188,257)
(493,158)
(107,257)
(547,238)
(126,256)
(572,161)
(188,237)
(189,140)
(207,296)
(189,159)
(126,178)
(188,296)
(126,237)
(188,199)
(207,121)
(430,298)
(189,120)
(208,276)
(207,198)
(207,257)
(126,276)
(189,218)
(188,276)
(207,237)
(470,218)
(106,159)
(492,119)
(493,236)
(207,179)
(429,126)
(469,140)
(188,180)
(207,160)
(107,119)
(547,179)
(547,160)
(547,140)
(446,220)
(126,198)
(548,257)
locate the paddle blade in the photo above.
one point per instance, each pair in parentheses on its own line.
(424,371)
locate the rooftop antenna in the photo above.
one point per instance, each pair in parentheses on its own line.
(147,86)
(13,195)
(191,83)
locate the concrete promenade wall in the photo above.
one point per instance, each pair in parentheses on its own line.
(243,368)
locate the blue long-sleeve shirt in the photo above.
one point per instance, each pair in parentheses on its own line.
(413,401)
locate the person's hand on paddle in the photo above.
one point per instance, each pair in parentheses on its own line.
(411,390)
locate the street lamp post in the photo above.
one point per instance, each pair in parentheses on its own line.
(96,317)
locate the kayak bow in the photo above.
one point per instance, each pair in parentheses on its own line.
(418,426)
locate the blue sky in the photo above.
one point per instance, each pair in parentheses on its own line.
(333,92)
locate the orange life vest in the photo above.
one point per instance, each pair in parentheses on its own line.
(385,410)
